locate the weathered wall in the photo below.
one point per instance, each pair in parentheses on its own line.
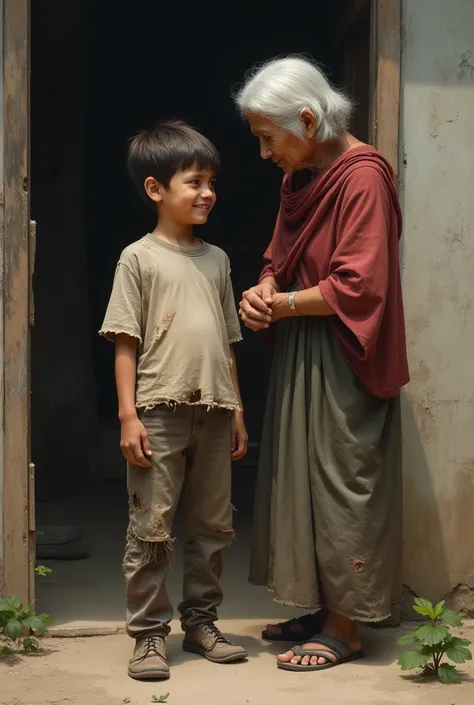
(437,175)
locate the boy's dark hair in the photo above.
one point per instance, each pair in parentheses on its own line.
(168,147)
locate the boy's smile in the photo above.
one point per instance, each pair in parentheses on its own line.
(190,197)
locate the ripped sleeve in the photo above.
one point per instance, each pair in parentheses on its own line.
(124,311)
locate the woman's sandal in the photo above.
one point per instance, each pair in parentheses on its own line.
(335,647)
(310,624)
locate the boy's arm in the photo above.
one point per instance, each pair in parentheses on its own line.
(239,438)
(134,440)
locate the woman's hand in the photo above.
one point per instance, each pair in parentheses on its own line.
(256,306)
(280,308)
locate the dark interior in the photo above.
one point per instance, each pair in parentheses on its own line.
(100,72)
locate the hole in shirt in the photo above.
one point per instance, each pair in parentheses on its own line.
(195,397)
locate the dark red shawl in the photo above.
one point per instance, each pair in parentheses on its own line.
(340,230)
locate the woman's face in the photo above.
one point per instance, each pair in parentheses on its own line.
(281,146)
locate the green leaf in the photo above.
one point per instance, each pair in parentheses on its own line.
(413,659)
(30,644)
(452,618)
(431,635)
(4,605)
(456,651)
(43,570)
(46,618)
(4,650)
(13,629)
(407,639)
(5,618)
(35,623)
(439,609)
(160,698)
(14,602)
(454,640)
(424,607)
(447,674)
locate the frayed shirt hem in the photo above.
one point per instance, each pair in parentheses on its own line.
(172,403)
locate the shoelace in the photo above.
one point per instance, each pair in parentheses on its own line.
(151,647)
(215,632)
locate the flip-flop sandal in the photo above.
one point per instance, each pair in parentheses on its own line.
(310,623)
(336,647)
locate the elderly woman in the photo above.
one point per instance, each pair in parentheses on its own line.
(327,533)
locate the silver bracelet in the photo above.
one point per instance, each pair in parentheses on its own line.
(291,300)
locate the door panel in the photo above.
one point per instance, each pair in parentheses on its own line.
(17,537)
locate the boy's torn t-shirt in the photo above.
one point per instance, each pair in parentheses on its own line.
(179,304)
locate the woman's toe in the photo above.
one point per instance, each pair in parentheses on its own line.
(286,657)
(296,660)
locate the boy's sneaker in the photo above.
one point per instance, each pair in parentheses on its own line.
(207,640)
(149,659)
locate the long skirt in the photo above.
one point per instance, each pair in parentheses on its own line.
(327,528)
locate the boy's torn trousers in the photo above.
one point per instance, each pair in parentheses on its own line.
(191,462)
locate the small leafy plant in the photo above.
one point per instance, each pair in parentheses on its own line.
(434,642)
(16,618)
(160,698)
(42,570)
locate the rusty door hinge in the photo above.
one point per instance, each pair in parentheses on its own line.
(32,256)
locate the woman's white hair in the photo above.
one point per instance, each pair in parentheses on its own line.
(283,87)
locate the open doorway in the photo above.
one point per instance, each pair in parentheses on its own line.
(101,72)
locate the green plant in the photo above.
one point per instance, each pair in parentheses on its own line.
(160,698)
(43,570)
(15,618)
(435,641)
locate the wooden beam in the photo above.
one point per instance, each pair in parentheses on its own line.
(385,77)
(16,298)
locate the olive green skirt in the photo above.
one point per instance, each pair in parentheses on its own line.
(327,527)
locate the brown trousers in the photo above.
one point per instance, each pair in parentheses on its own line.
(191,462)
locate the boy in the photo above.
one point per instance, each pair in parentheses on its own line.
(173,319)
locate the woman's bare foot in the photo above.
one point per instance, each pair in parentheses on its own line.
(335,625)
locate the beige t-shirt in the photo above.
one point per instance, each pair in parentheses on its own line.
(179,304)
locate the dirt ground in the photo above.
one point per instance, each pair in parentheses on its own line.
(92,671)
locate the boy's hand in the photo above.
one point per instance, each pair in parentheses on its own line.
(239,437)
(134,443)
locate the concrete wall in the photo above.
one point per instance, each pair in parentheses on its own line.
(437,179)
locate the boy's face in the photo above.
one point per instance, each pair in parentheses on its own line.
(189,198)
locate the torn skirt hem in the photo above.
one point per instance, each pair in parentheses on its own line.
(318,607)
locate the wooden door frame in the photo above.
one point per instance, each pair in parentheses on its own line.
(17,510)
(18,528)
(385,51)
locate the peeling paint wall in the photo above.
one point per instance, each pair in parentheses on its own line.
(437,189)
